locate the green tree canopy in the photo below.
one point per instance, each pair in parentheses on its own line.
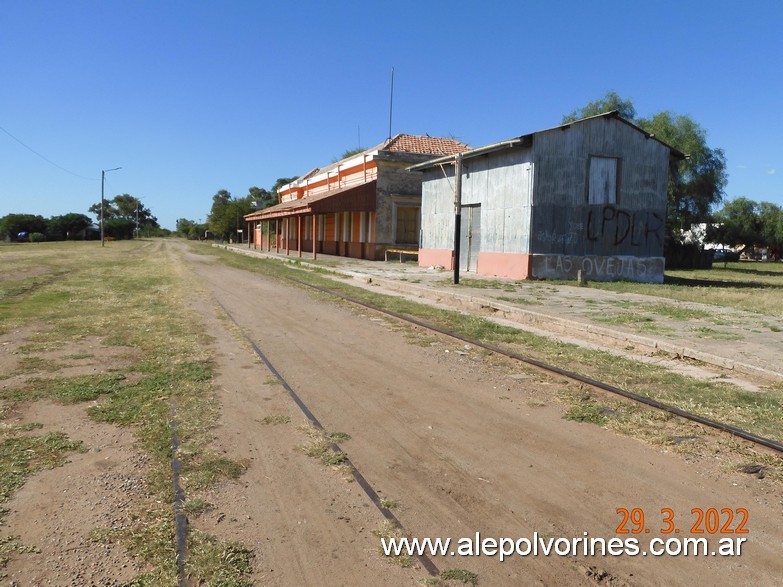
(744,223)
(771,219)
(611,101)
(190,229)
(736,224)
(13,224)
(261,198)
(125,207)
(67,226)
(226,217)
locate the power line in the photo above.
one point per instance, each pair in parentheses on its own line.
(44,158)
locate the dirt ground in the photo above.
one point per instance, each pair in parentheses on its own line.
(459,441)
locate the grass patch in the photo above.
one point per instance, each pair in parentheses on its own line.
(745,285)
(676,312)
(461,575)
(21,456)
(389,531)
(625,319)
(129,295)
(482,284)
(67,390)
(196,507)
(707,332)
(216,562)
(520,301)
(587,410)
(321,449)
(276,420)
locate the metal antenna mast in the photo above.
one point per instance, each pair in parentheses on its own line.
(391,103)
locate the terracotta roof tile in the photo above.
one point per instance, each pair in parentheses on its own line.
(426,144)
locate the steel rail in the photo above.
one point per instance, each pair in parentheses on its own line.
(733,430)
(425,561)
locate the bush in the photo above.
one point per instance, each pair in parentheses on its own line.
(37,237)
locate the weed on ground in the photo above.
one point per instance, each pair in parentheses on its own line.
(127,295)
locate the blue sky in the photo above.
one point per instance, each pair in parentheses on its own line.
(190,97)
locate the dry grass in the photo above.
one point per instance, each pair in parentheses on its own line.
(83,290)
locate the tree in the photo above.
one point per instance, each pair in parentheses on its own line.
(771,220)
(123,211)
(748,224)
(696,184)
(12,224)
(736,224)
(124,207)
(281,181)
(611,101)
(226,217)
(67,226)
(350,153)
(190,229)
(261,198)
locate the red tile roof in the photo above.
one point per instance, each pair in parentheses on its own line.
(426,144)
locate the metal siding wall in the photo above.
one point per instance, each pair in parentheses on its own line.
(501,182)
(437,210)
(562,221)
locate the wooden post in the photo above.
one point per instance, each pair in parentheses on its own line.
(314,233)
(287,232)
(299,235)
(457,213)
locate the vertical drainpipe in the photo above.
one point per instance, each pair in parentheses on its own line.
(457,212)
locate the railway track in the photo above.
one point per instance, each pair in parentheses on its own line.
(570,375)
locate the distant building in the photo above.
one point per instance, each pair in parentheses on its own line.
(589,195)
(357,207)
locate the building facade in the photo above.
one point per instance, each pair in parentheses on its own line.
(587,196)
(357,207)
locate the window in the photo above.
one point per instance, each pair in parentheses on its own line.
(602,180)
(407,225)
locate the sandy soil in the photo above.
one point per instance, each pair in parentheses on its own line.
(461,441)
(463,445)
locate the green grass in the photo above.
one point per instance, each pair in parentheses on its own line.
(466,577)
(130,296)
(745,285)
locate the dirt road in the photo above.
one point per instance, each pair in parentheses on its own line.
(459,442)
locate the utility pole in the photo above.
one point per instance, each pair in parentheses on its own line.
(457,213)
(103,202)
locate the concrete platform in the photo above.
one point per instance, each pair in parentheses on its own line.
(713,342)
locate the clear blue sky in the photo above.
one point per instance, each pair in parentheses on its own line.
(190,97)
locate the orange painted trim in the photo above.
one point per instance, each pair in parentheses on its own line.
(301,191)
